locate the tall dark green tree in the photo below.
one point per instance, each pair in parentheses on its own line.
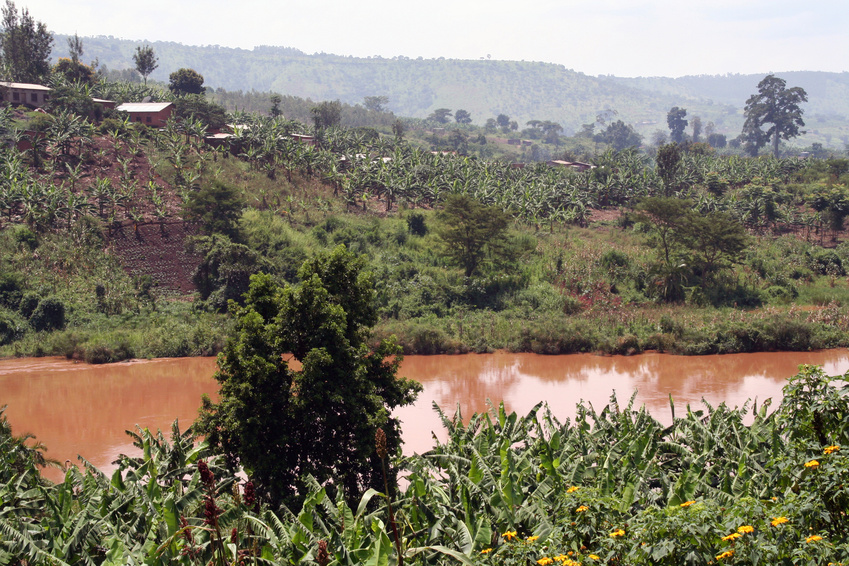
(281,424)
(775,106)
(676,120)
(471,232)
(275,99)
(146,61)
(186,81)
(26,45)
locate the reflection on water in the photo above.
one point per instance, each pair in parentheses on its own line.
(81,409)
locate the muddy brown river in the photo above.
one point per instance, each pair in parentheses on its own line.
(78,409)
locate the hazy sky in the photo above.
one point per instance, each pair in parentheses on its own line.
(619,37)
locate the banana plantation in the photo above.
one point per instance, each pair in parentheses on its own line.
(758,484)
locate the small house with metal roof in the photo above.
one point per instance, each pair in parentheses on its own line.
(25,94)
(153,114)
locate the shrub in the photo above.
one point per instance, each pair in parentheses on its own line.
(48,315)
(416,224)
(12,327)
(11,290)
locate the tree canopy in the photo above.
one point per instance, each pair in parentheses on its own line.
(470,231)
(776,105)
(676,120)
(281,424)
(146,61)
(186,81)
(26,45)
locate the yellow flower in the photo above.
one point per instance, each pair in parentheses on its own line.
(594,556)
(618,533)
(687,503)
(726,554)
(746,529)
(509,535)
(812,464)
(532,539)
(732,536)
(544,561)
(561,558)
(813,538)
(486,551)
(778,521)
(573,489)
(581,509)
(832,448)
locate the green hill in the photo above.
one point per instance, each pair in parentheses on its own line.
(523,90)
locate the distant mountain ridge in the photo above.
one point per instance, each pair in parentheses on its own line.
(522,90)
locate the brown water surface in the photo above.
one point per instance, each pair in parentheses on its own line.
(82,409)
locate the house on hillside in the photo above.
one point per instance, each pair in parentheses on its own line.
(25,94)
(153,114)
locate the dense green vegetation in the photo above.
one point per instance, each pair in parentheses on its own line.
(612,487)
(546,282)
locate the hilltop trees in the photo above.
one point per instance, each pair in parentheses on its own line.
(776,105)
(280,424)
(25,45)
(146,61)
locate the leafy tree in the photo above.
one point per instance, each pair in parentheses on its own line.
(717,141)
(470,231)
(398,129)
(275,99)
(659,137)
(676,121)
(327,114)
(776,105)
(280,424)
(198,107)
(75,97)
(146,61)
(668,160)
(619,135)
(74,71)
(75,48)
(503,121)
(26,46)
(186,81)
(217,208)
(225,270)
(490,125)
(462,117)
(692,247)
(697,128)
(376,103)
(440,115)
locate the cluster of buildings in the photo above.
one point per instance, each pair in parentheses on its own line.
(36,96)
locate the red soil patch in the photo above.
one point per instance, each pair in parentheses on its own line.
(158,251)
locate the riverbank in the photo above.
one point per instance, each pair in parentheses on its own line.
(155,393)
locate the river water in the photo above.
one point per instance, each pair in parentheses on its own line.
(79,409)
